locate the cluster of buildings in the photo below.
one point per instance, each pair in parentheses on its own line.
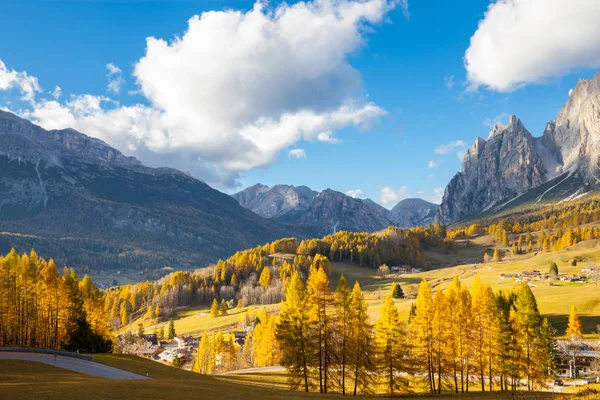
(404,269)
(183,348)
(535,275)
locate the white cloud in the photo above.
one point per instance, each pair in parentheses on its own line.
(237,88)
(449,81)
(297,153)
(355,193)
(519,42)
(57,92)
(500,119)
(113,69)
(391,196)
(115,78)
(432,164)
(26,84)
(450,147)
(327,137)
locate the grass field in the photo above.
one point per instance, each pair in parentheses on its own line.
(553,301)
(30,380)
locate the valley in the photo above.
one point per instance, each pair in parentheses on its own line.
(284,291)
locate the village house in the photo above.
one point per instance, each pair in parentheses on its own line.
(575,358)
(185,341)
(510,275)
(151,352)
(167,356)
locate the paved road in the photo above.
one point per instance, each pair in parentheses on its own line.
(74,364)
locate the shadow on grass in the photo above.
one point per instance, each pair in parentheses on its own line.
(588,322)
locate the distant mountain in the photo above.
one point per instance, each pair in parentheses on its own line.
(275,202)
(330,211)
(79,200)
(511,167)
(376,207)
(413,212)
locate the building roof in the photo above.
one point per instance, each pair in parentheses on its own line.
(582,349)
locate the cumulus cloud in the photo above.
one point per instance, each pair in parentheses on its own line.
(26,84)
(115,78)
(391,196)
(432,164)
(354,193)
(519,42)
(297,153)
(235,89)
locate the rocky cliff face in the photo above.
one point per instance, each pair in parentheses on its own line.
(333,211)
(413,212)
(276,201)
(572,139)
(82,202)
(512,162)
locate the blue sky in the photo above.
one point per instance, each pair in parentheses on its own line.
(398,90)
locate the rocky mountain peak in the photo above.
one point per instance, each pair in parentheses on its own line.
(512,161)
(573,137)
(21,139)
(413,212)
(501,167)
(275,201)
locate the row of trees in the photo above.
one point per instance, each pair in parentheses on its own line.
(39,307)
(454,339)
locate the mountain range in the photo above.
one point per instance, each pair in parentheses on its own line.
(329,211)
(512,167)
(75,198)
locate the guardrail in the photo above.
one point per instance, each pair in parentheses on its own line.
(45,351)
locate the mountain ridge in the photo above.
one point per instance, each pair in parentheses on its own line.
(85,203)
(327,211)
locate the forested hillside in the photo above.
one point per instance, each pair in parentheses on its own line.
(251,277)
